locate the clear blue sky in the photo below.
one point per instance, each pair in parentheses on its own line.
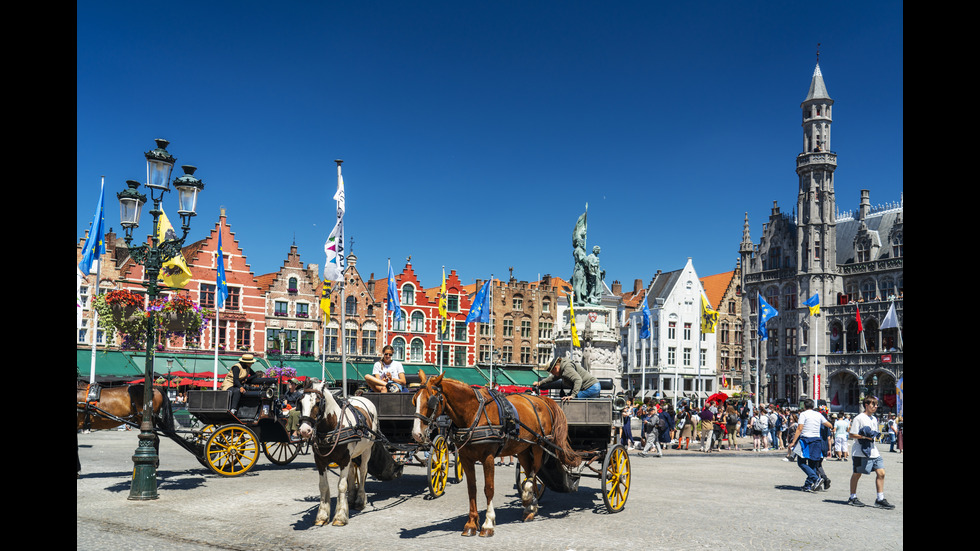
(474,133)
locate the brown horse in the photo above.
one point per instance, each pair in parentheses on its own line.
(122,402)
(485,433)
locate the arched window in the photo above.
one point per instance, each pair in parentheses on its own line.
(789,296)
(868,290)
(408,294)
(398,344)
(399,324)
(772,297)
(351,309)
(418,322)
(293,286)
(417,348)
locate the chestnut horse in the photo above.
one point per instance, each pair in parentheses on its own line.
(483,433)
(341,435)
(121,402)
(123,405)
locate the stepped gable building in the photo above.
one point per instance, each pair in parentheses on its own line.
(523,321)
(416,337)
(292,310)
(363,317)
(724,294)
(853,262)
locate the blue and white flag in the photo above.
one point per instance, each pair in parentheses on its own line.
(480,309)
(222,283)
(393,304)
(766,312)
(95,244)
(645,328)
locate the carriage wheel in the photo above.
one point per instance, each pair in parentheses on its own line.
(616,478)
(457,469)
(522,476)
(438,466)
(231,450)
(281,453)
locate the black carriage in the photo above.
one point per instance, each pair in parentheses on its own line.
(396,416)
(593,432)
(230,444)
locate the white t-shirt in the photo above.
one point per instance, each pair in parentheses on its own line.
(392,369)
(840,428)
(811,421)
(862,420)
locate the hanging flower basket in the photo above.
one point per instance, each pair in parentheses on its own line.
(179,315)
(121,311)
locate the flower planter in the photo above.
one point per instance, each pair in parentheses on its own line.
(177,322)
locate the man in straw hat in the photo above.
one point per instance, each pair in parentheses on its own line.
(236,378)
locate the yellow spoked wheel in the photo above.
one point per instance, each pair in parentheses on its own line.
(616,478)
(438,466)
(457,469)
(231,450)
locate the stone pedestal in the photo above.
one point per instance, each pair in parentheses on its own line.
(598,333)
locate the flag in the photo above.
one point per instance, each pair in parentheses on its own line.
(861,342)
(480,309)
(766,312)
(571,317)
(814,304)
(333,270)
(95,244)
(442,303)
(709,317)
(393,304)
(325,300)
(891,318)
(645,328)
(174,272)
(221,282)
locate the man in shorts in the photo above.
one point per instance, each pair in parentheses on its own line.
(865,456)
(840,437)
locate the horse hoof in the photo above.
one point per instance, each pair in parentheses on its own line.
(529,517)
(486,533)
(469,532)
(319,523)
(339,523)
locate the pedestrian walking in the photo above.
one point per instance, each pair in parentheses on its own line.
(865,457)
(809,447)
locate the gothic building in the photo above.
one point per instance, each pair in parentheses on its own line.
(853,262)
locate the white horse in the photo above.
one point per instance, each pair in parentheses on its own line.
(336,439)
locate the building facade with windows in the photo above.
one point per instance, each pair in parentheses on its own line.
(292,316)
(853,262)
(677,360)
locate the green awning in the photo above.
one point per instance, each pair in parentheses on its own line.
(108,363)
(468,375)
(521,377)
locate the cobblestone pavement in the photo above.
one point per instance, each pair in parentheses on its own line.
(684,500)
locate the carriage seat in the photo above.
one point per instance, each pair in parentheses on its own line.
(606,386)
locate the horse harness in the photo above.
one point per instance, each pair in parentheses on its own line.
(489,433)
(340,435)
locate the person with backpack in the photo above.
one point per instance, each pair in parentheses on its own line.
(731,425)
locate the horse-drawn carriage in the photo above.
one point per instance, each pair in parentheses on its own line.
(593,432)
(228,444)
(396,417)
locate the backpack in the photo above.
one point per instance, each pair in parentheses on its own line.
(661,423)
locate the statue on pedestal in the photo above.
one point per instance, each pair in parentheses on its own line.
(587,277)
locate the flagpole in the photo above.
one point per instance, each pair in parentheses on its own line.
(492,328)
(95,313)
(343,304)
(217,307)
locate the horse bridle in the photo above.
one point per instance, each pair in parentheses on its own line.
(316,406)
(437,405)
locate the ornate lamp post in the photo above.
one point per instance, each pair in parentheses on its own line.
(159,165)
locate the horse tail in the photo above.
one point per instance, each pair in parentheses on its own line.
(559,431)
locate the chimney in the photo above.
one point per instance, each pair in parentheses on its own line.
(637,285)
(617,288)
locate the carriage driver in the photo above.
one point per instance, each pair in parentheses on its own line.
(388,374)
(235,380)
(584,384)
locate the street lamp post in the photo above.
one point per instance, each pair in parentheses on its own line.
(159,165)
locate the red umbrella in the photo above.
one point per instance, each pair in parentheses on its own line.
(719,397)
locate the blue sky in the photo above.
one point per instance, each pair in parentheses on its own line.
(474,133)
